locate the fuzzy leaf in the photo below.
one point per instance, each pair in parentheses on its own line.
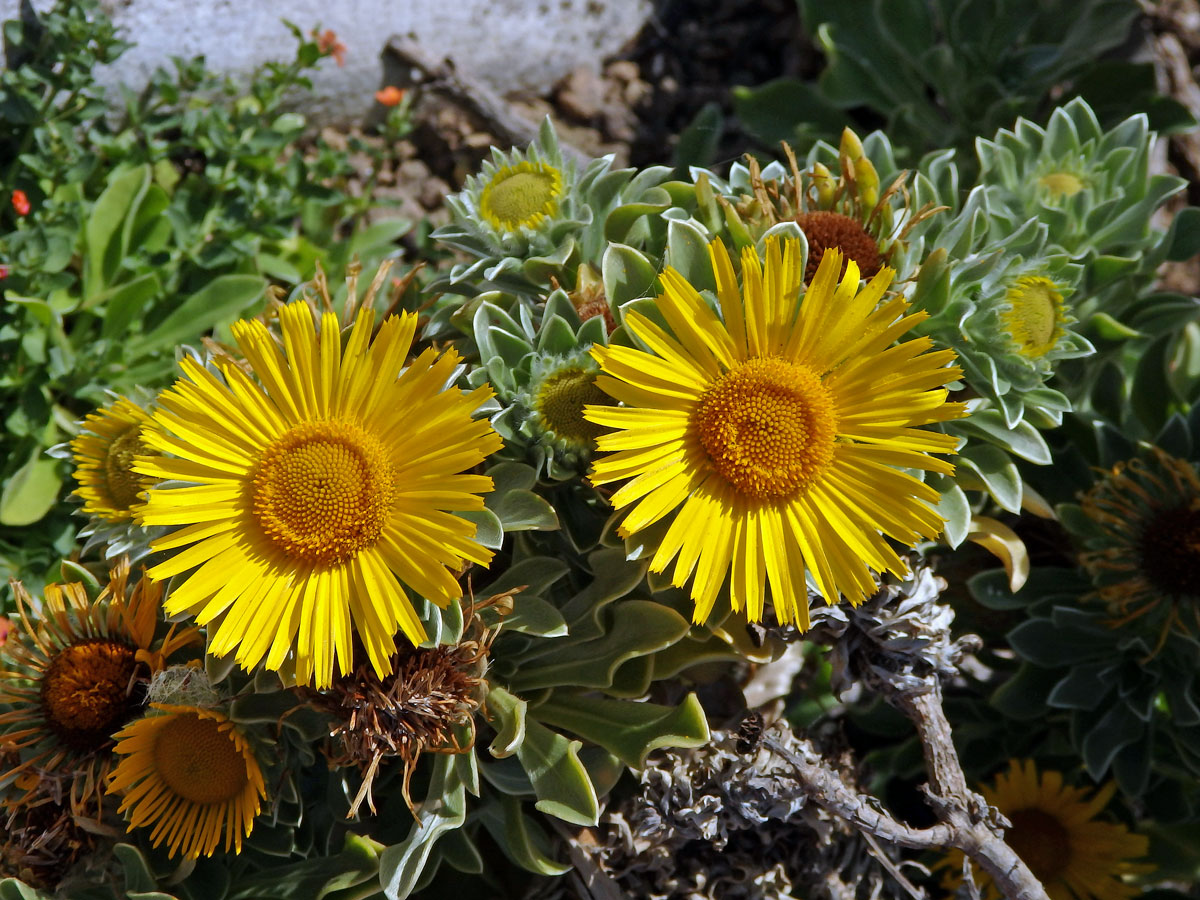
(559,779)
(636,628)
(444,808)
(506,713)
(520,837)
(629,729)
(687,252)
(627,274)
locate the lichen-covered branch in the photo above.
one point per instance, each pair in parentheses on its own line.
(898,644)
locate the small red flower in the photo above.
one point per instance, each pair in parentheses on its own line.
(20,203)
(3,272)
(5,628)
(328,43)
(389,96)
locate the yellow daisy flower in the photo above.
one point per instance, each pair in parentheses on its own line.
(1056,833)
(104,452)
(192,775)
(520,195)
(69,679)
(317,490)
(776,432)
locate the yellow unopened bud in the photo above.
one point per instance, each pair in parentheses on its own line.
(868,182)
(851,147)
(823,181)
(886,219)
(588,279)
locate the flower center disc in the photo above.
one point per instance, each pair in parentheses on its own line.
(198,761)
(560,402)
(824,229)
(124,484)
(1170,550)
(85,691)
(1061,184)
(520,195)
(323,491)
(1034,315)
(768,426)
(1041,842)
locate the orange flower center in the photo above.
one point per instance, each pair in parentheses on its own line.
(1041,842)
(825,229)
(85,692)
(323,491)
(198,761)
(768,426)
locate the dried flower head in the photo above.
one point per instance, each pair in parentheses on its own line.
(41,842)
(426,703)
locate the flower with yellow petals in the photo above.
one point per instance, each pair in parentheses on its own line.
(1056,832)
(104,452)
(192,775)
(71,678)
(316,490)
(520,195)
(776,432)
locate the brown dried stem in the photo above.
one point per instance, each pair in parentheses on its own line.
(966,823)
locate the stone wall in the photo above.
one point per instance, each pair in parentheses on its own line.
(509,45)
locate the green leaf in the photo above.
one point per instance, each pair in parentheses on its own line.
(687,251)
(138,876)
(1022,440)
(624,217)
(1150,394)
(627,274)
(522,510)
(381,234)
(997,473)
(444,808)
(12,889)
(30,491)
(636,628)
(1183,240)
(317,878)
(488,529)
(954,508)
(1023,696)
(697,143)
(506,713)
(1110,329)
(104,235)
(991,589)
(559,779)
(786,109)
(222,298)
(1045,643)
(122,305)
(628,729)
(521,839)
(1118,728)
